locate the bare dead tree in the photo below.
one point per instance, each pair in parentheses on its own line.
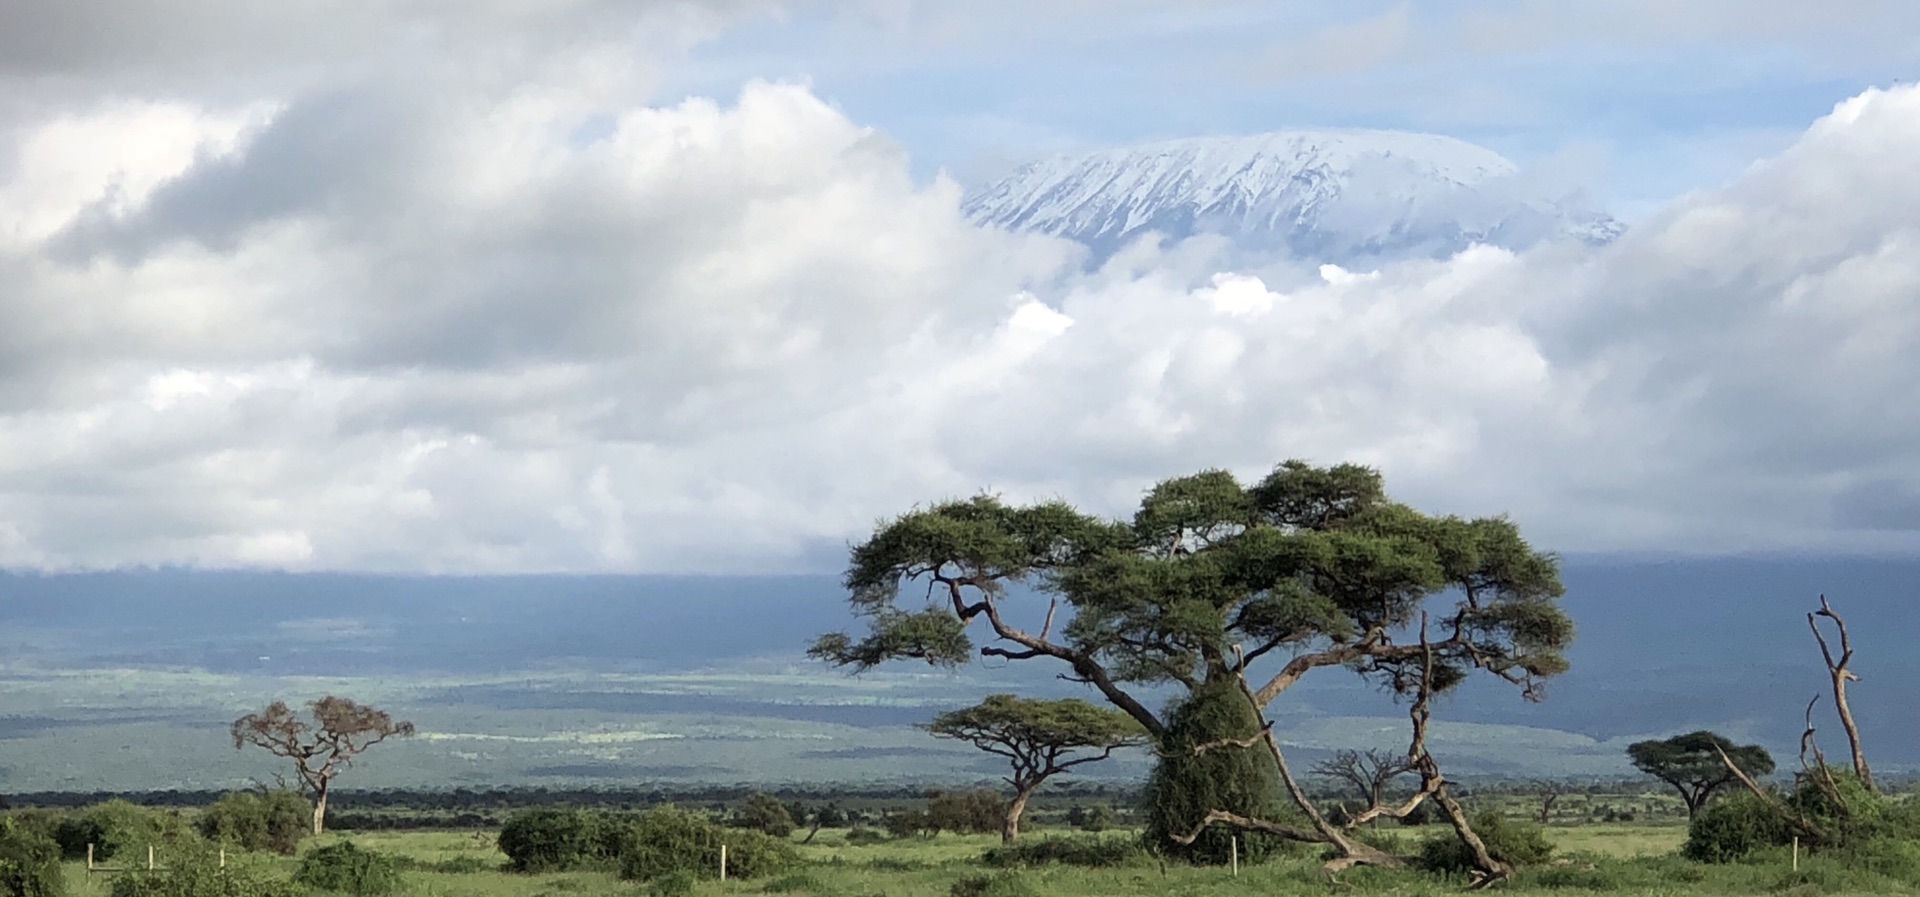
(1837,670)
(341,730)
(1368,772)
(1550,792)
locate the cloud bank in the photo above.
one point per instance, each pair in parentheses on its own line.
(427,319)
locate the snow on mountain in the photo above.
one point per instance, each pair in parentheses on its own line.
(1318,196)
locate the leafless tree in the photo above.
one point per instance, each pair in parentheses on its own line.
(322,749)
(1369,772)
(1837,670)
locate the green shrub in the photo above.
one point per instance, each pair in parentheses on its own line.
(195,872)
(554,839)
(863,836)
(765,813)
(1516,843)
(1098,818)
(349,869)
(118,828)
(1185,785)
(1088,852)
(981,811)
(665,840)
(1733,828)
(999,884)
(277,820)
(29,862)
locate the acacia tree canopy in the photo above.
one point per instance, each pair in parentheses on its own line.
(320,750)
(1040,738)
(1307,568)
(1693,767)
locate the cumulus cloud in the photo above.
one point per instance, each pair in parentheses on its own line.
(420,320)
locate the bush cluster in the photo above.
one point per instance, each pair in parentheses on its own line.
(1519,844)
(29,862)
(642,847)
(556,839)
(1863,825)
(195,873)
(665,840)
(118,828)
(346,868)
(1185,785)
(1088,852)
(276,820)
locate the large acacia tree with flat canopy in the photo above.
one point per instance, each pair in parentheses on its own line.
(1213,581)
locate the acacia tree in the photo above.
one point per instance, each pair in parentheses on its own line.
(1212,581)
(1367,772)
(1693,764)
(1041,739)
(341,730)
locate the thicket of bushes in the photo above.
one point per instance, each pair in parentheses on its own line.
(193,871)
(29,862)
(642,847)
(1865,828)
(276,820)
(1119,850)
(346,868)
(119,829)
(1519,844)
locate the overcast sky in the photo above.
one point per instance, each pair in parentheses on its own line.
(425,285)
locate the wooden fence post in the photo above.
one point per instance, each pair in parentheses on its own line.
(723,862)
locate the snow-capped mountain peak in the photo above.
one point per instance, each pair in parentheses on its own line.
(1322,196)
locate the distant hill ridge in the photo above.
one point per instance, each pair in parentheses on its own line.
(1338,196)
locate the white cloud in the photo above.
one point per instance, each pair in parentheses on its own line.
(422,320)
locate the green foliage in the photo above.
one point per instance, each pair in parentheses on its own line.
(1520,844)
(29,862)
(863,836)
(196,873)
(665,840)
(979,812)
(1733,828)
(349,869)
(277,821)
(678,883)
(908,824)
(557,839)
(1861,823)
(765,813)
(1097,818)
(1691,764)
(1094,853)
(999,884)
(118,828)
(1185,785)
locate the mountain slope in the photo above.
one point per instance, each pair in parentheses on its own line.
(1320,196)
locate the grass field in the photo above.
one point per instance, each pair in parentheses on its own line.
(1613,859)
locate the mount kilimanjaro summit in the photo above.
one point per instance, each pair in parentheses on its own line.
(1343,197)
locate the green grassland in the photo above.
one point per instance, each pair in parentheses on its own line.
(1621,859)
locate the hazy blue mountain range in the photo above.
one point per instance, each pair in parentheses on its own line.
(1343,197)
(127,680)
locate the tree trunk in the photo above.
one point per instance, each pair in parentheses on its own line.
(320,809)
(1011,829)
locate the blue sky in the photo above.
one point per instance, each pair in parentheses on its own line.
(1635,112)
(671,287)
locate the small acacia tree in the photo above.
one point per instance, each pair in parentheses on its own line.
(322,749)
(1041,738)
(1691,763)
